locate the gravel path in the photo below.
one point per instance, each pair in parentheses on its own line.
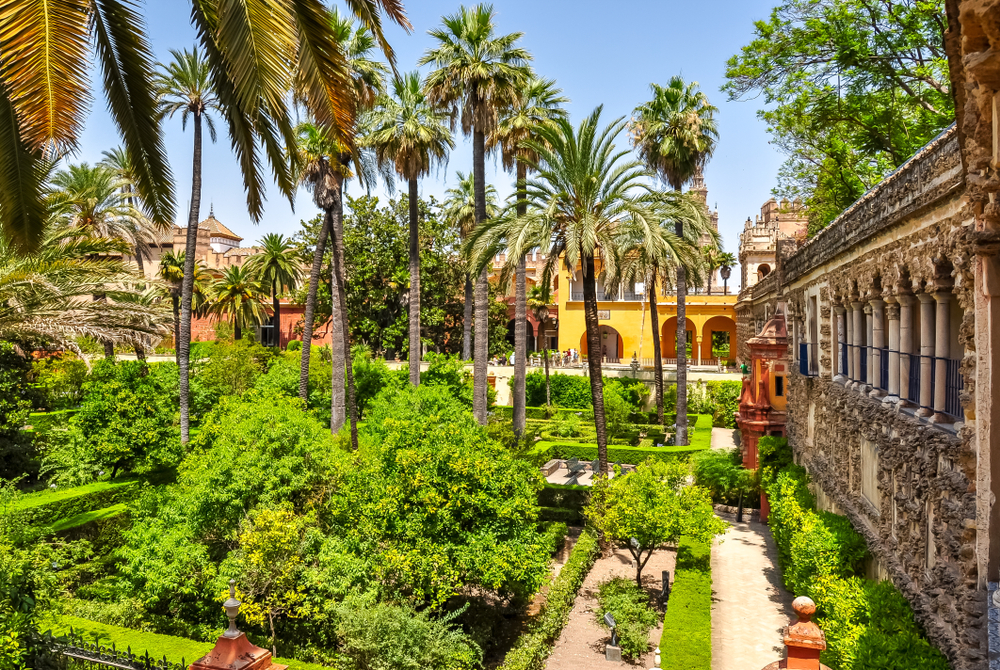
(581,645)
(750,605)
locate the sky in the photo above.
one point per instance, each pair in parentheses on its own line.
(598,52)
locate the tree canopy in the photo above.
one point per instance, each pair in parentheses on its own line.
(852,89)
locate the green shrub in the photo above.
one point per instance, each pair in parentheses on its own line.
(563,495)
(867,624)
(725,395)
(58,381)
(533,647)
(127,419)
(567,426)
(616,410)
(553,535)
(567,515)
(225,368)
(47,507)
(384,636)
(282,377)
(634,618)
(16,453)
(567,390)
(295,345)
(686,640)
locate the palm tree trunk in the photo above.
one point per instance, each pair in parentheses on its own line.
(681,437)
(548,392)
(109,350)
(140,355)
(340,297)
(139,262)
(467,321)
(276,322)
(176,300)
(594,360)
(414,288)
(479,402)
(520,319)
(187,285)
(237,331)
(310,315)
(654,321)
(338,345)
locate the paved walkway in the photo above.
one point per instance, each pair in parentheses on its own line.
(725,438)
(750,605)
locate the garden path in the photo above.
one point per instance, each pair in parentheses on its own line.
(581,644)
(750,605)
(724,438)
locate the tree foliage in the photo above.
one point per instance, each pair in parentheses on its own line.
(852,87)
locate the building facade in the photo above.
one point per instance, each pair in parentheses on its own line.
(886,371)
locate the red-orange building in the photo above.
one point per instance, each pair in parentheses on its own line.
(763,400)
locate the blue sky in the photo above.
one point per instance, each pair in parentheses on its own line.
(598,52)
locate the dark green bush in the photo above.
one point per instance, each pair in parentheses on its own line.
(867,624)
(16,453)
(58,381)
(629,605)
(567,390)
(562,495)
(686,641)
(127,418)
(553,535)
(533,647)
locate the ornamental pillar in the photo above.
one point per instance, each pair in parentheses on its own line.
(878,343)
(892,383)
(905,347)
(942,347)
(858,332)
(927,331)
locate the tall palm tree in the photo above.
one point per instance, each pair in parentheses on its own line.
(586,188)
(411,136)
(237,295)
(277,270)
(538,104)
(44,295)
(119,160)
(538,299)
(459,207)
(323,161)
(710,256)
(477,74)
(172,273)
(186,86)
(648,254)
(675,134)
(726,262)
(254,54)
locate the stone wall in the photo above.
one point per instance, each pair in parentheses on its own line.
(911,488)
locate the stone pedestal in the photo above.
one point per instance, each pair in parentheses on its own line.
(613,653)
(803,640)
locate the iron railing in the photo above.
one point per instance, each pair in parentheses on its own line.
(954,380)
(808,359)
(72,651)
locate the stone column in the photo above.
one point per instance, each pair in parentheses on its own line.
(858,333)
(697,344)
(927,331)
(942,351)
(892,383)
(840,341)
(867,386)
(905,346)
(878,341)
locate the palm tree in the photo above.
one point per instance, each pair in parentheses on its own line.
(277,270)
(172,273)
(586,189)
(118,160)
(710,256)
(323,162)
(186,86)
(44,295)
(237,295)
(675,134)
(726,262)
(647,254)
(459,207)
(538,299)
(409,134)
(253,58)
(477,74)
(539,103)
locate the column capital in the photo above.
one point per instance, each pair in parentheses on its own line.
(905,298)
(839,309)
(925,297)
(876,303)
(892,311)
(867,308)
(943,295)
(857,304)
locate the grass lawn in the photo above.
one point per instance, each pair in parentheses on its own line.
(175,649)
(50,496)
(87,517)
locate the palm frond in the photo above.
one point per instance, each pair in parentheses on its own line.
(23,172)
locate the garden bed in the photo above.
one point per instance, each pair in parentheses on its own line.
(686,641)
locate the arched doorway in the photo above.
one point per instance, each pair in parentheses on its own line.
(668,338)
(718,339)
(612,347)
(529,335)
(510,334)
(763,270)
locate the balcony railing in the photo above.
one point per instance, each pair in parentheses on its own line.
(808,359)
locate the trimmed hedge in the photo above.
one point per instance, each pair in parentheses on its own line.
(540,413)
(43,422)
(686,641)
(51,506)
(566,515)
(867,624)
(175,649)
(533,647)
(701,439)
(94,516)
(563,495)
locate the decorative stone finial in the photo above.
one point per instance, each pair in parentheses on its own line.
(232,607)
(211,210)
(804,641)
(804,608)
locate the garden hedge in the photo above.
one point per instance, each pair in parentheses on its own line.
(533,647)
(566,515)
(174,649)
(43,422)
(867,624)
(686,640)
(54,505)
(563,495)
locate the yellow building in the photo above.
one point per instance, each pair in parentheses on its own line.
(626,323)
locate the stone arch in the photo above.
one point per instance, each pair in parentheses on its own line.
(718,324)
(668,337)
(612,347)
